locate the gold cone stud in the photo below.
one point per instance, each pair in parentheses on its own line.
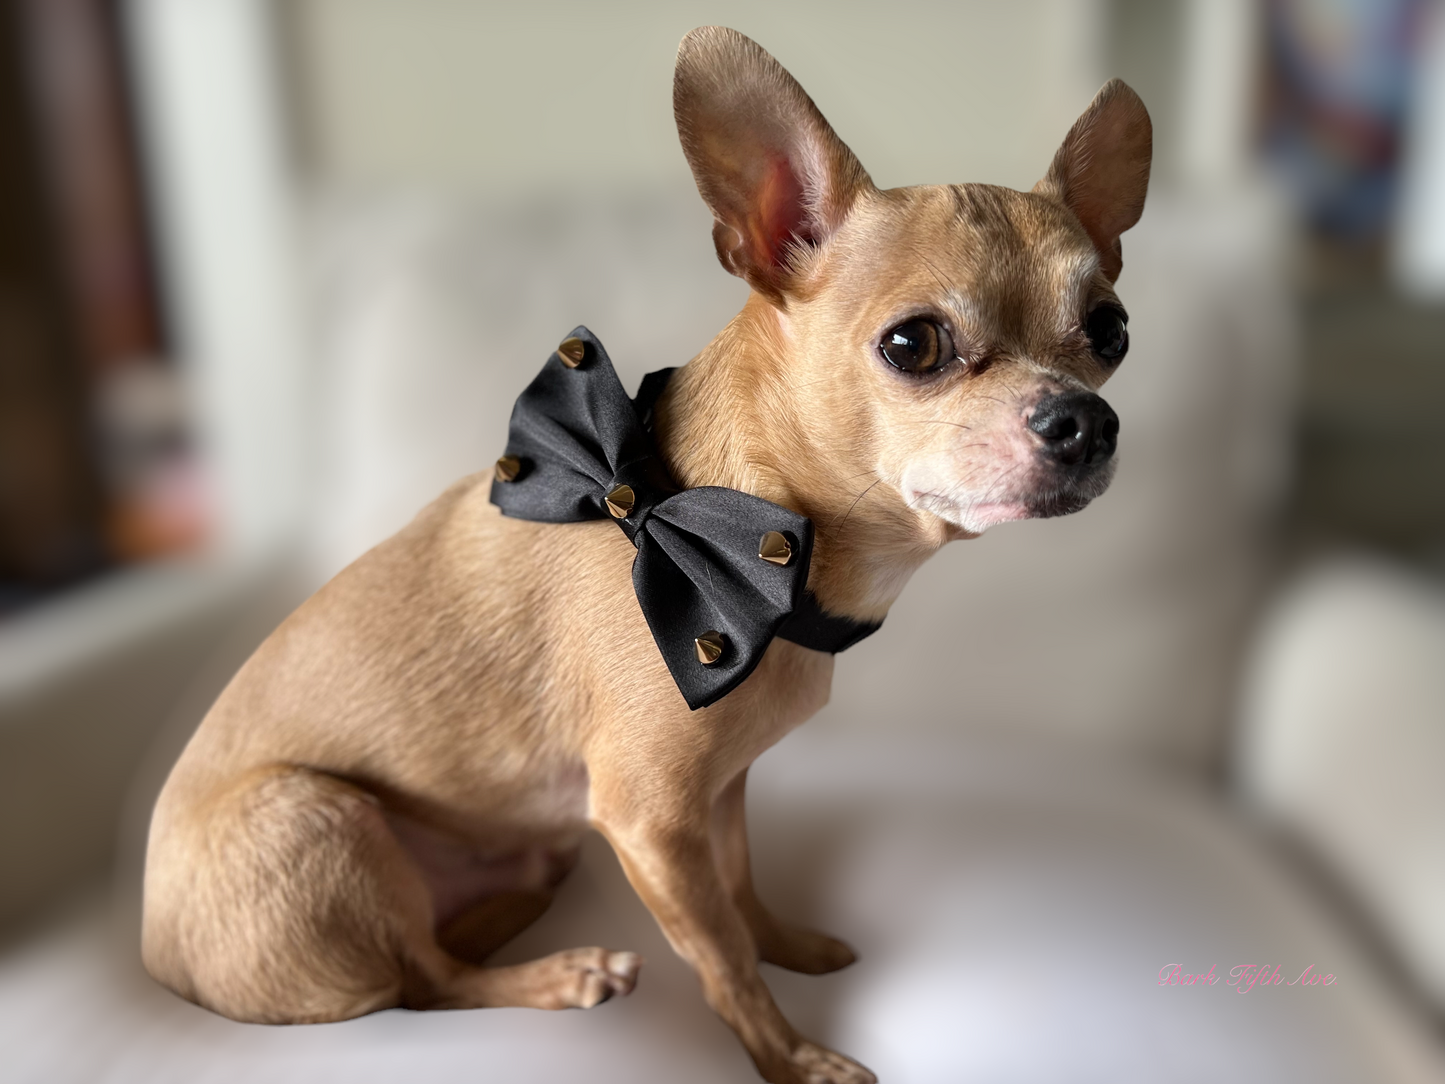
(709,647)
(572,351)
(507,469)
(775,549)
(620,501)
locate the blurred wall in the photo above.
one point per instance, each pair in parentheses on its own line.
(500,100)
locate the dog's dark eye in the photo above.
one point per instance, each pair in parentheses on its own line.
(919,346)
(1108,330)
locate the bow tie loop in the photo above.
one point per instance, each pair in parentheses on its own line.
(634,492)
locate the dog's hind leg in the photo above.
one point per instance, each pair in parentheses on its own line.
(488,925)
(287,899)
(572,979)
(576,978)
(479,929)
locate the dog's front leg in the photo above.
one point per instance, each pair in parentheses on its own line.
(794,948)
(662,834)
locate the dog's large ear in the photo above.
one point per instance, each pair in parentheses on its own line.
(776,177)
(1101,172)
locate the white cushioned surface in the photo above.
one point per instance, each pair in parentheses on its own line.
(1342,742)
(1012,910)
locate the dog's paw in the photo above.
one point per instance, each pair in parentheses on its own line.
(805,951)
(586,977)
(810,1063)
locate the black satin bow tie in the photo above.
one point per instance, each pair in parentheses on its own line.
(718,572)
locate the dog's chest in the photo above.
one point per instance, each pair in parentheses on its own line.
(789,687)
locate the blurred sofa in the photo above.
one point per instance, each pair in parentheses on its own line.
(1017,805)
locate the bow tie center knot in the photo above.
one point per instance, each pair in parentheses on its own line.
(620,501)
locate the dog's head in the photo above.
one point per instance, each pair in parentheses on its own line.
(948,341)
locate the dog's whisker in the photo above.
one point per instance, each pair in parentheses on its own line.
(850,509)
(812,383)
(938,421)
(933,271)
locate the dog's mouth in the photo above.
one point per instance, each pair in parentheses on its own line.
(1055,494)
(1072,494)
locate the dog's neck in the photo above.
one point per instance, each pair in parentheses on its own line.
(738,415)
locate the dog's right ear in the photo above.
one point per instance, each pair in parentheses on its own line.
(776,177)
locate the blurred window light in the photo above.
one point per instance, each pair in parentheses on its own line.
(1419,250)
(1217,91)
(212,117)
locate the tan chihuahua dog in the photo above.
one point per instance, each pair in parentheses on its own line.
(394,783)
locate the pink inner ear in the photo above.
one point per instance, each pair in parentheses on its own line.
(781,216)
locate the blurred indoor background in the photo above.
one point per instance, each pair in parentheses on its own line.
(272,274)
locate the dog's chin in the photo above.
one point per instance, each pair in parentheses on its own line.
(1072,494)
(1060,498)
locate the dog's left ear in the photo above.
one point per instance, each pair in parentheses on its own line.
(776,177)
(1101,172)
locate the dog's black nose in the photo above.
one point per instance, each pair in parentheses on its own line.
(1077,427)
